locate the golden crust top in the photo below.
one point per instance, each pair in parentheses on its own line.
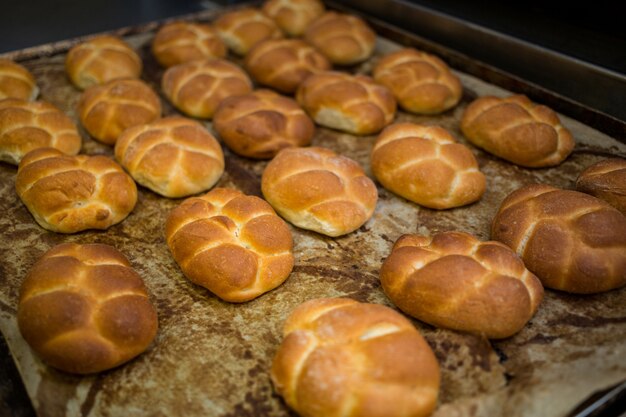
(243,28)
(607,181)
(293,16)
(16,81)
(179,42)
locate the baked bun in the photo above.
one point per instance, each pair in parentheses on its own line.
(344,358)
(293,16)
(344,39)
(243,28)
(16,81)
(607,181)
(517,130)
(197,87)
(174,157)
(316,189)
(259,124)
(572,241)
(27,125)
(179,42)
(100,60)
(107,110)
(422,83)
(455,281)
(284,63)
(68,194)
(352,103)
(426,165)
(84,309)
(230,243)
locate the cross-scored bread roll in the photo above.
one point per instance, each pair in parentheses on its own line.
(422,83)
(293,16)
(109,109)
(426,165)
(174,157)
(316,189)
(16,81)
(26,125)
(572,241)
(196,88)
(179,42)
(100,60)
(453,280)
(230,243)
(517,130)
(607,181)
(340,357)
(242,29)
(284,63)
(352,103)
(259,124)
(84,309)
(344,39)
(68,194)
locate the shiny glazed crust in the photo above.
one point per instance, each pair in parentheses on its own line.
(242,29)
(16,82)
(293,16)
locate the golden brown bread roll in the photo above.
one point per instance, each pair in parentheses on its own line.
(607,181)
(293,16)
(230,243)
(316,189)
(344,39)
(101,59)
(243,28)
(84,309)
(352,103)
(453,280)
(426,165)
(16,81)
(179,42)
(196,88)
(284,63)
(517,130)
(259,124)
(107,110)
(174,157)
(68,194)
(422,83)
(26,125)
(344,358)
(572,241)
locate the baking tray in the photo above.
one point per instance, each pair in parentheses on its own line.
(212,358)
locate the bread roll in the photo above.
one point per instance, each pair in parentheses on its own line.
(68,194)
(517,130)
(293,16)
(607,181)
(196,88)
(107,110)
(16,81)
(26,125)
(84,309)
(426,165)
(243,28)
(344,358)
(174,157)
(259,124)
(344,39)
(422,83)
(352,103)
(101,59)
(455,281)
(230,243)
(179,42)
(316,189)
(572,241)
(283,64)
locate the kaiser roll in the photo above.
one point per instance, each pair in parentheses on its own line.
(344,358)
(243,28)
(84,309)
(179,42)
(606,180)
(293,16)
(572,241)
(68,194)
(16,81)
